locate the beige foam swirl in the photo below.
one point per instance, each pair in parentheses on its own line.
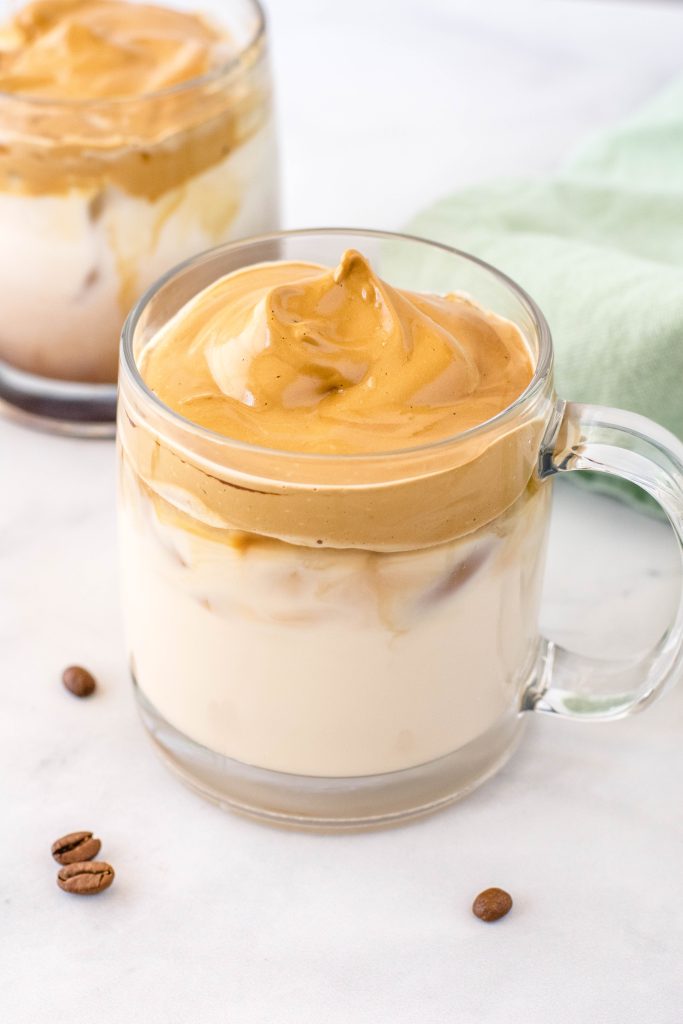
(262,355)
(88,97)
(104,49)
(296,357)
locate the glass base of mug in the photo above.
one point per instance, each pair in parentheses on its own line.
(332,804)
(57,406)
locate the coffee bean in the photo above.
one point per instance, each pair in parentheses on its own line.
(78,681)
(76,846)
(492,904)
(85,878)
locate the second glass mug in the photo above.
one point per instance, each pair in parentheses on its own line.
(306,682)
(98,197)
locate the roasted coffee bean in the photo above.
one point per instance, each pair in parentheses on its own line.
(78,681)
(77,846)
(492,904)
(86,877)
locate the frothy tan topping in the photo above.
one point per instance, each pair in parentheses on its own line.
(294,357)
(297,357)
(153,117)
(95,49)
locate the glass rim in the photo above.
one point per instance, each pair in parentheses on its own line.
(541,371)
(117,102)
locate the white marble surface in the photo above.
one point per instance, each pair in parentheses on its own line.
(213,919)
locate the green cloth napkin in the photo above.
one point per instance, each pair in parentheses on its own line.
(599,246)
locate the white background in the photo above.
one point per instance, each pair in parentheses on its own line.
(383,107)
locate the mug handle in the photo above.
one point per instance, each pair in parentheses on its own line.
(629,446)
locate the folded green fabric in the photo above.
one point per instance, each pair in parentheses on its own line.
(599,246)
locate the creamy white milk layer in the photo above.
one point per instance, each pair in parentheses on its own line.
(327,662)
(71,265)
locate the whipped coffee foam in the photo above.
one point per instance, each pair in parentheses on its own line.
(338,362)
(296,357)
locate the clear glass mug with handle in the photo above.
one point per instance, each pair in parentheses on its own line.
(305,680)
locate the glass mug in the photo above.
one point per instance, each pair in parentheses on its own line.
(314,684)
(98,197)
